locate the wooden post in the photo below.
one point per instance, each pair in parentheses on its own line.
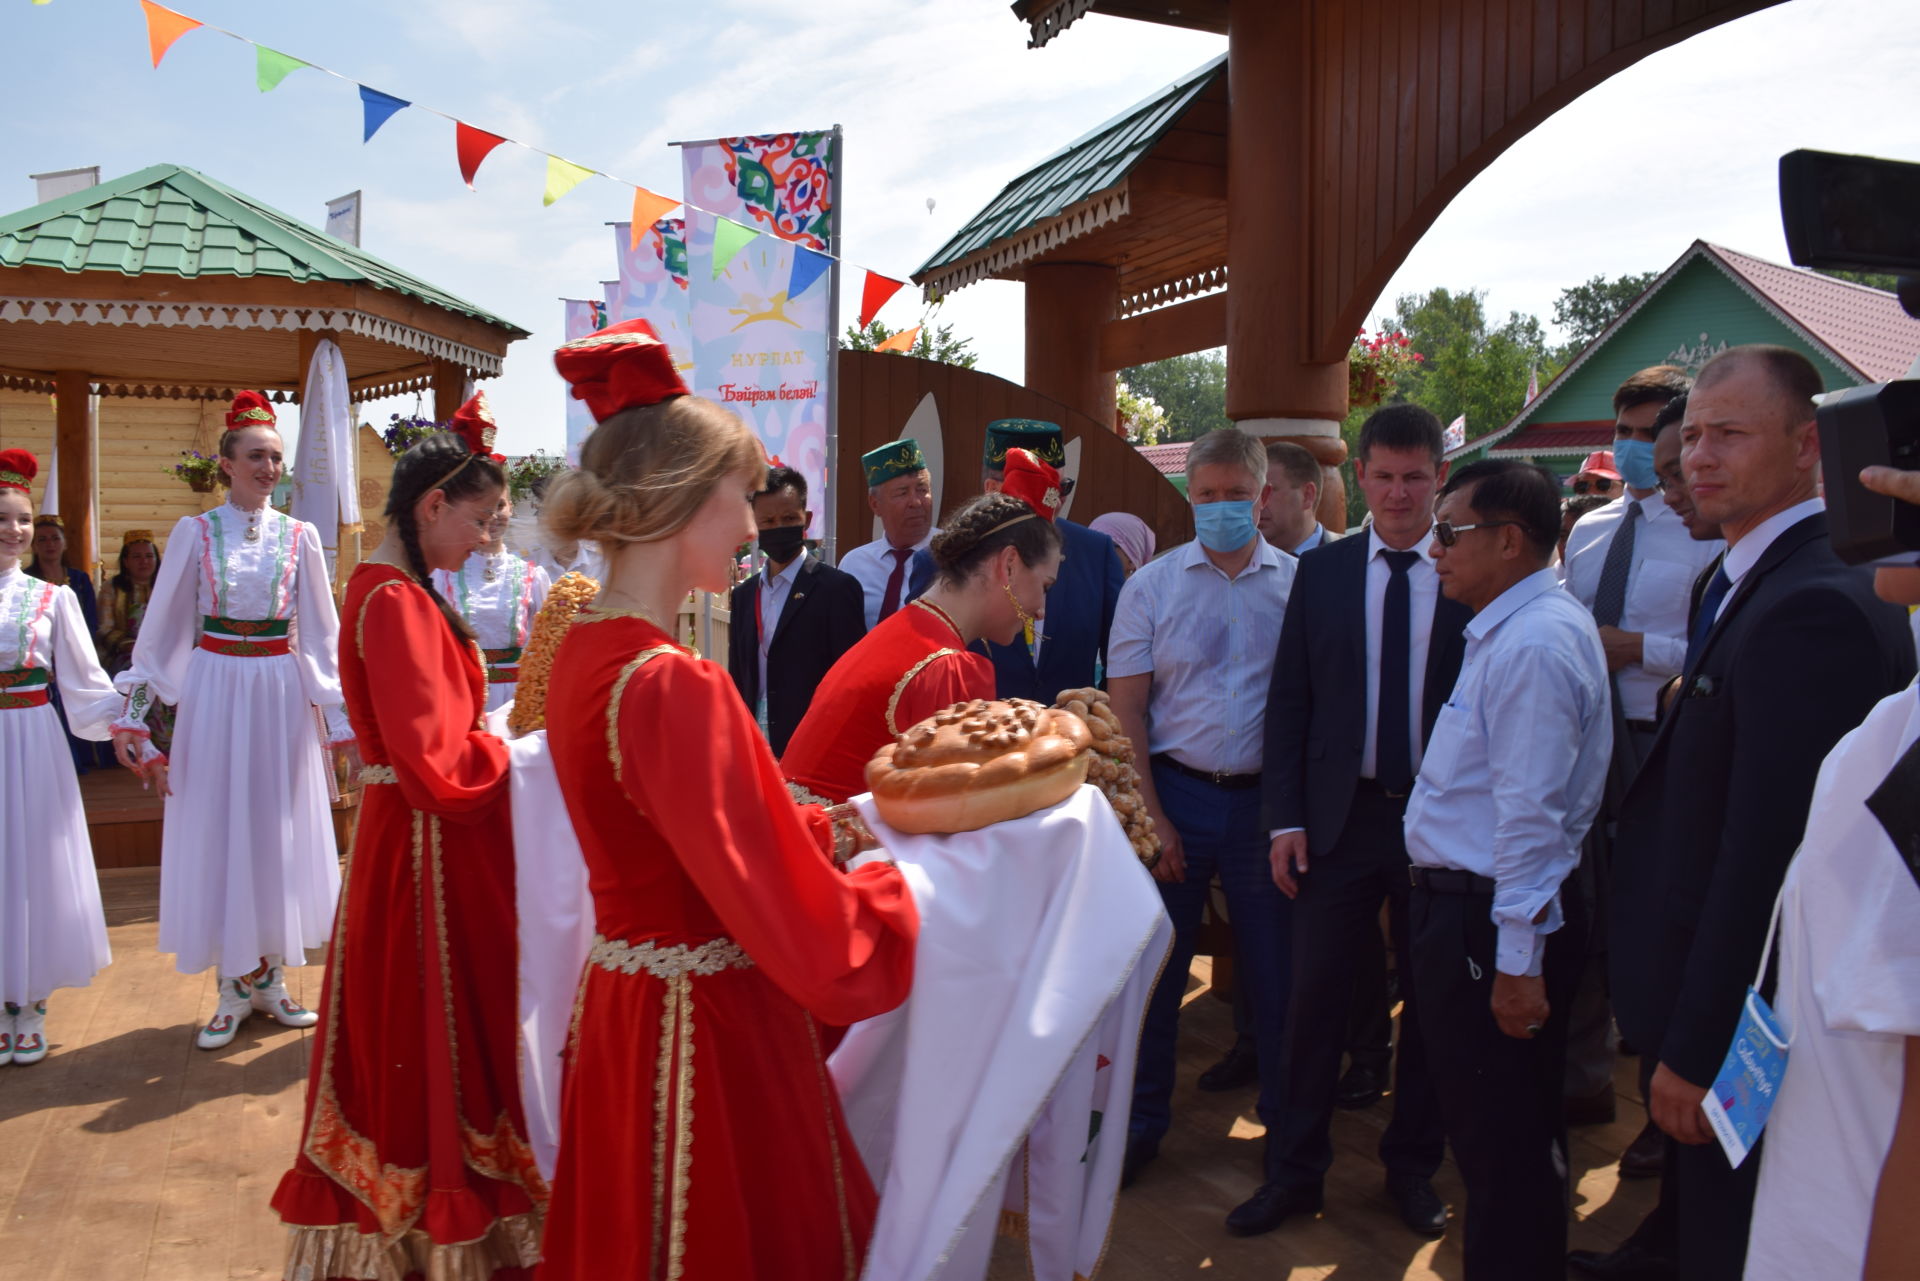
(1068,307)
(449,389)
(73,442)
(1272,391)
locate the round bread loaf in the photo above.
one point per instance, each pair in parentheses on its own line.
(978,763)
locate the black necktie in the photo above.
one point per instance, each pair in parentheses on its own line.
(1717,588)
(1393,747)
(1610,599)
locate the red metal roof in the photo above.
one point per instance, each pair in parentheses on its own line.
(1865,327)
(1555,438)
(1170,460)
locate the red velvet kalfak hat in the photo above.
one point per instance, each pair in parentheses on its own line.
(17,469)
(250,409)
(473,423)
(1032,481)
(623,366)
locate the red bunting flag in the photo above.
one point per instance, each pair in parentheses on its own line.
(164,26)
(473,146)
(874,295)
(902,341)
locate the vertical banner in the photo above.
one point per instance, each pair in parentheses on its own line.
(653,285)
(758,303)
(343,217)
(326,491)
(583,318)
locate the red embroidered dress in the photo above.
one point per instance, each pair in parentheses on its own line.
(913,664)
(701,1136)
(414,1158)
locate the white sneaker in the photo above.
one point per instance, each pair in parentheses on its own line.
(8,1013)
(29,1034)
(270,997)
(236,1003)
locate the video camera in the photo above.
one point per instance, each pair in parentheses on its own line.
(1857,213)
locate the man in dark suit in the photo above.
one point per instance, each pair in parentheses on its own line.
(1367,655)
(1070,645)
(1788,651)
(809,613)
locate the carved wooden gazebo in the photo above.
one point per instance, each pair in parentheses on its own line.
(1263,201)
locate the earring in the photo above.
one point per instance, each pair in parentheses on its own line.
(1026,619)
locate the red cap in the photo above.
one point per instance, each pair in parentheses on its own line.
(1599,463)
(1035,483)
(473,423)
(623,366)
(250,409)
(17,468)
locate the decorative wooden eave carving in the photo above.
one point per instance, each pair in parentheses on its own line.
(1003,259)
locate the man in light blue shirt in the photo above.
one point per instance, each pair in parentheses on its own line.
(1188,664)
(1507,790)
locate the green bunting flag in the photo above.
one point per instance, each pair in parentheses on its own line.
(271,67)
(729,238)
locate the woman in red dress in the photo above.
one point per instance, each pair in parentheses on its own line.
(996,557)
(701,1136)
(414,1159)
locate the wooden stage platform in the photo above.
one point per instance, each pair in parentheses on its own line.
(129,1154)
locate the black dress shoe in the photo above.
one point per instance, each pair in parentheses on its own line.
(1421,1208)
(1359,1089)
(1646,1156)
(1241,1066)
(1139,1152)
(1629,1263)
(1270,1206)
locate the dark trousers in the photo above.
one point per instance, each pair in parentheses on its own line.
(1335,918)
(1500,1097)
(1705,1207)
(1220,830)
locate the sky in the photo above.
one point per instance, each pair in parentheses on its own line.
(940,100)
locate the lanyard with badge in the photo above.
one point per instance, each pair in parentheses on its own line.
(1748,1083)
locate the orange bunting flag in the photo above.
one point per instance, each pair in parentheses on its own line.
(164,26)
(902,341)
(473,146)
(874,295)
(649,207)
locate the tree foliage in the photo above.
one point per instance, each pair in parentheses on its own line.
(936,342)
(1190,390)
(1871,279)
(1584,310)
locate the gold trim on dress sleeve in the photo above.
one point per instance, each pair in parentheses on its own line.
(360,623)
(893,704)
(619,692)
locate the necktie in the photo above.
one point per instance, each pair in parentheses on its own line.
(896,580)
(1610,600)
(1717,588)
(1393,747)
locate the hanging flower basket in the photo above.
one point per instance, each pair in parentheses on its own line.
(199,470)
(523,475)
(403,434)
(1375,365)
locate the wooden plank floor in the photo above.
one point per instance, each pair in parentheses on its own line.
(130,1154)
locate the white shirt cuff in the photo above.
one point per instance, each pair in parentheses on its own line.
(1522,952)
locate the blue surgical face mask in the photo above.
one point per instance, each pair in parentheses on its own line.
(1224,527)
(1633,459)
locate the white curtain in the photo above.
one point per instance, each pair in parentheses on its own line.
(326,487)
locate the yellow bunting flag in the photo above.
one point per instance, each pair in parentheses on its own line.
(164,26)
(270,67)
(902,341)
(563,176)
(649,207)
(729,238)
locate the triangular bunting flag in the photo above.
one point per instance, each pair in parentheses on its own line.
(164,26)
(472,145)
(729,238)
(902,341)
(874,295)
(649,207)
(808,267)
(270,67)
(563,176)
(379,109)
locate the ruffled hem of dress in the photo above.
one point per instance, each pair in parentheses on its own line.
(342,1252)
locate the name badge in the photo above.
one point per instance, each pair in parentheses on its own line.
(1743,1093)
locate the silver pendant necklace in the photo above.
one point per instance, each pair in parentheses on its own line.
(493,571)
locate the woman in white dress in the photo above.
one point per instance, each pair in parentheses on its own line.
(242,635)
(52,931)
(498,594)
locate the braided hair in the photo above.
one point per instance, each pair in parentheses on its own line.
(974,534)
(417,473)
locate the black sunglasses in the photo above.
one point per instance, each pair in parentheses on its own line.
(1447,535)
(1600,485)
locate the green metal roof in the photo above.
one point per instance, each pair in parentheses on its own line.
(1084,167)
(170,220)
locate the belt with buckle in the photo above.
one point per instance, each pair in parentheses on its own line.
(1377,788)
(1219,778)
(1448,880)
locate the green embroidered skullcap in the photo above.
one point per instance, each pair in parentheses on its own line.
(894,459)
(1040,438)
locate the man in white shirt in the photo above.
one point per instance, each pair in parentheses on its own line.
(1507,789)
(1188,664)
(1290,519)
(900,492)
